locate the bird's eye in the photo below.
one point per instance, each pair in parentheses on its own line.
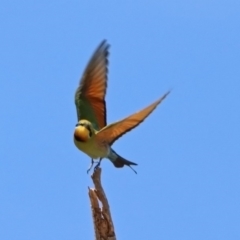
(76,124)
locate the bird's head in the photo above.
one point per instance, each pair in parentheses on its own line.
(83,131)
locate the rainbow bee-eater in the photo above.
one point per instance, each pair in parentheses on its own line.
(92,135)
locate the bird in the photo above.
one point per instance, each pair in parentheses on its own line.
(92,134)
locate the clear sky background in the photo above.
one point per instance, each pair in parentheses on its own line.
(188,181)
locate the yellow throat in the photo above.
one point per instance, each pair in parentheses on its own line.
(81,134)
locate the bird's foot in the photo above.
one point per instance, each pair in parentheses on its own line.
(92,163)
(98,164)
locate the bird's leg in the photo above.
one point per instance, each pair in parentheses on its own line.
(98,164)
(92,162)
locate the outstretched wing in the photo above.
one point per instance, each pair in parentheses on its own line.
(113,131)
(90,95)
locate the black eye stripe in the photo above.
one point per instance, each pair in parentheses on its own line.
(80,124)
(89,129)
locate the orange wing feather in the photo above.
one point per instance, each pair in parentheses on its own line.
(113,131)
(92,88)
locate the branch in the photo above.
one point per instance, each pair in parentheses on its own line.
(102,220)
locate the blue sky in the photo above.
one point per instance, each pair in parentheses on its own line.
(187,186)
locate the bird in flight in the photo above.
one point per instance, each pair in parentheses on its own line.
(92,135)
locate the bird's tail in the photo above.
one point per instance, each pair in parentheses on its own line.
(119,161)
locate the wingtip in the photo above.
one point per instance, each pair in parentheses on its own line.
(167,93)
(162,97)
(104,44)
(159,100)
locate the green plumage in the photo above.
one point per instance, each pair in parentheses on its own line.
(85,111)
(90,95)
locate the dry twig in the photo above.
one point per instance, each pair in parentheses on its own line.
(102,220)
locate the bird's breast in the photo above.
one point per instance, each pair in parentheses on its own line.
(92,148)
